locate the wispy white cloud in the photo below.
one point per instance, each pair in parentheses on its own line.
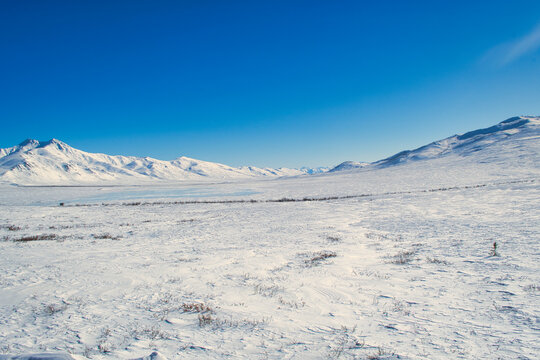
(527,44)
(507,53)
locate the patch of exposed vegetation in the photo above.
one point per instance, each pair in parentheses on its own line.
(319,256)
(345,343)
(52,309)
(333,238)
(210,320)
(152,333)
(379,354)
(196,308)
(106,236)
(11,227)
(104,343)
(493,251)
(403,257)
(37,238)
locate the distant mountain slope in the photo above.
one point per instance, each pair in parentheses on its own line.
(316,170)
(55,162)
(348,165)
(515,128)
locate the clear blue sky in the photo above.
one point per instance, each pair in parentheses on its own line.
(277,83)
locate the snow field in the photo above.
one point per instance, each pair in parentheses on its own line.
(391,276)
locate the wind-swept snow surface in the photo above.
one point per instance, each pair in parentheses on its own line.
(45,356)
(433,259)
(63,356)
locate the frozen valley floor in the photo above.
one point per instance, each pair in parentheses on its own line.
(408,276)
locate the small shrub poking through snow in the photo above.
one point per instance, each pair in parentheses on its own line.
(205,319)
(104,344)
(52,309)
(106,236)
(151,333)
(493,251)
(220,323)
(403,257)
(104,348)
(333,239)
(37,237)
(380,354)
(345,343)
(196,308)
(320,256)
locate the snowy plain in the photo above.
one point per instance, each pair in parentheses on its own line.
(371,263)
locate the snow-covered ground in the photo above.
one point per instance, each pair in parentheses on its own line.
(390,262)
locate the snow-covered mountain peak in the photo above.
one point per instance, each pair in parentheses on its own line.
(55,162)
(535,120)
(54,141)
(508,124)
(26,145)
(29,143)
(33,143)
(518,127)
(184,159)
(55,144)
(348,165)
(469,142)
(316,170)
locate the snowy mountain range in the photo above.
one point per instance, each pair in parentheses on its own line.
(515,128)
(54,162)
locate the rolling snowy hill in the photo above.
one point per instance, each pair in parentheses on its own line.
(55,162)
(515,128)
(349,165)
